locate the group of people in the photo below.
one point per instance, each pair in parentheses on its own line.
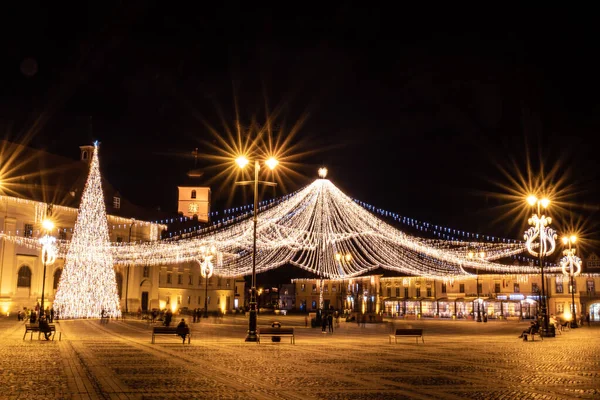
(197,314)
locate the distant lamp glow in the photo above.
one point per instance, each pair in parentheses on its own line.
(482,254)
(338,256)
(48,225)
(545,202)
(573,238)
(532,200)
(348,257)
(242,161)
(271,163)
(322,172)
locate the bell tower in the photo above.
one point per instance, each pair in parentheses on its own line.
(193,197)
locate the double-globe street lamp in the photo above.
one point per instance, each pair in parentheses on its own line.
(48,255)
(545,237)
(206,270)
(571,266)
(481,255)
(242,162)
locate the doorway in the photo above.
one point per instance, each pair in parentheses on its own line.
(144,301)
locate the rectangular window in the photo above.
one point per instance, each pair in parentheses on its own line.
(560,308)
(228,283)
(334,288)
(534,288)
(405,292)
(314,288)
(314,304)
(398,292)
(516,288)
(479,287)
(28,230)
(428,292)
(389,292)
(590,286)
(116,202)
(219,282)
(179,279)
(168,278)
(497,287)
(190,279)
(418,292)
(303,287)
(461,288)
(146,272)
(235,290)
(559,284)
(189,300)
(326,288)
(444,288)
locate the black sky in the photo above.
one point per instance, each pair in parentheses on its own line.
(413,112)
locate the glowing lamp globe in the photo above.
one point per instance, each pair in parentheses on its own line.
(242,161)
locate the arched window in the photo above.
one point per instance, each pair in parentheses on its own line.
(119,284)
(193,194)
(24,279)
(57,275)
(84,155)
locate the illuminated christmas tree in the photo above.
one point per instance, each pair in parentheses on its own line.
(88,283)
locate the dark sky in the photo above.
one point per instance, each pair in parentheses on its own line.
(414,112)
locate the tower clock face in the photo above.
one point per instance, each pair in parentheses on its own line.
(193,208)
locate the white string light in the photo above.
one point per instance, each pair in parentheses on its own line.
(88,286)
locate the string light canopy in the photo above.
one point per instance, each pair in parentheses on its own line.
(309,228)
(88,286)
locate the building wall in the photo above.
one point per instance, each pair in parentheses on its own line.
(16,214)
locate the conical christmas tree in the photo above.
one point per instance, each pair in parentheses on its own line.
(88,283)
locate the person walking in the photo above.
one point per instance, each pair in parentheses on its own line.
(324,324)
(587,319)
(330,322)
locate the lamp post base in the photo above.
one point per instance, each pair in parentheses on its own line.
(550,332)
(252,337)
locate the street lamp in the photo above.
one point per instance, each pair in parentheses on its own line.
(540,231)
(206,270)
(573,263)
(48,254)
(242,162)
(481,255)
(127,282)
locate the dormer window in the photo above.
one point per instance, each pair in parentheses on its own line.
(193,194)
(116,202)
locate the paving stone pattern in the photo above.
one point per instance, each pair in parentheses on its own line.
(459,360)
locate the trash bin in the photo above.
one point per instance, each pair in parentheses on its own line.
(276,324)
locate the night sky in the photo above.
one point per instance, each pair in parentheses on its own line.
(425,116)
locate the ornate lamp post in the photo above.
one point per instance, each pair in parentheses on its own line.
(546,236)
(481,255)
(48,255)
(206,270)
(571,266)
(242,161)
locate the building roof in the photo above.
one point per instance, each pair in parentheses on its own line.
(37,175)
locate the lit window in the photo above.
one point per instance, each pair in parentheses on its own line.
(116,202)
(146,271)
(28,230)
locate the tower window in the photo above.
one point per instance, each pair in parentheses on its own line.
(116,202)
(193,194)
(84,155)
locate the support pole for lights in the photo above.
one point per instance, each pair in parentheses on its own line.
(540,231)
(571,266)
(271,163)
(48,256)
(127,280)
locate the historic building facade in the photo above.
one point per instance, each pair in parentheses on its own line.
(140,287)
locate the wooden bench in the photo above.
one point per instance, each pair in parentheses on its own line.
(416,333)
(276,332)
(30,328)
(170,330)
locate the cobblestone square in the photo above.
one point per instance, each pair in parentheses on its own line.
(459,360)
